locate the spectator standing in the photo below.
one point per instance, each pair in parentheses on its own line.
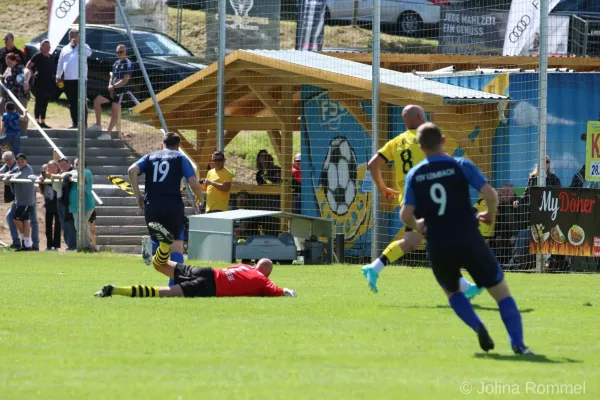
(89,203)
(521,247)
(10,166)
(9,48)
(267,173)
(297,183)
(24,201)
(10,128)
(218,181)
(67,222)
(51,205)
(117,88)
(43,81)
(67,72)
(16,78)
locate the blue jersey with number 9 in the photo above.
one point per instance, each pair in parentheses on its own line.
(438,188)
(164,170)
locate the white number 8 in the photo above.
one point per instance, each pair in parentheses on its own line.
(161,167)
(438,195)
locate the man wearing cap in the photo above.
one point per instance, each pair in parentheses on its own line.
(24,201)
(297,183)
(218,181)
(9,47)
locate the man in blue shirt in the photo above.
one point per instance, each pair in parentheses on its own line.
(162,202)
(117,88)
(437,192)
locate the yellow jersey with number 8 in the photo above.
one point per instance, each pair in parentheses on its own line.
(405,152)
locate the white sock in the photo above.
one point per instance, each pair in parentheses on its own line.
(464,284)
(27,242)
(377,265)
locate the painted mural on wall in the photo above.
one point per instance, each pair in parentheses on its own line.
(338,149)
(338,185)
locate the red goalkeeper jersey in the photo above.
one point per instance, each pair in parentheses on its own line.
(243,280)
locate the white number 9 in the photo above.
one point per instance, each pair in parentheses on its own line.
(438,195)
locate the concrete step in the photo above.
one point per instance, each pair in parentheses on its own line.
(119,201)
(108,190)
(117,220)
(72,142)
(66,134)
(119,211)
(124,230)
(121,240)
(123,249)
(71,153)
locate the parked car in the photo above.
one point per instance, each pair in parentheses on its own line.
(407,17)
(166,61)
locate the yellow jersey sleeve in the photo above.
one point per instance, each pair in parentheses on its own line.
(388,149)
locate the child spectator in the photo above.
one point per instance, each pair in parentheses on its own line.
(10,128)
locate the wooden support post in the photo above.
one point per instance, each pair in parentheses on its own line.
(287,151)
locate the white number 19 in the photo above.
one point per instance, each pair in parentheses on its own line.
(162,168)
(438,195)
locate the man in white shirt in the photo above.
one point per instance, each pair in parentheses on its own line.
(68,64)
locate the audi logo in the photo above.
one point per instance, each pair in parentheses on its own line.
(64,7)
(519,28)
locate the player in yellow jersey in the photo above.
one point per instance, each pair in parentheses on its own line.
(405,152)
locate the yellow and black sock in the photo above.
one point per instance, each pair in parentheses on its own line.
(392,253)
(162,254)
(136,291)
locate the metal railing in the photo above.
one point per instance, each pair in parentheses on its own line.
(55,148)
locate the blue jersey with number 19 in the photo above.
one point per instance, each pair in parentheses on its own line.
(438,188)
(164,170)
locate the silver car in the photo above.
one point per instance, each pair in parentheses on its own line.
(409,16)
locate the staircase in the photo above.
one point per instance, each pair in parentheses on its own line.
(120,223)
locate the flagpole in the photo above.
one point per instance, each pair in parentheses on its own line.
(81,127)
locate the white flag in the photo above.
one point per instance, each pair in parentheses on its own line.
(62,14)
(523,25)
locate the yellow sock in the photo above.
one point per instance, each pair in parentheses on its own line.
(165,247)
(393,251)
(161,257)
(136,291)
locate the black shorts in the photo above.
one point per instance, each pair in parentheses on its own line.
(22,213)
(473,255)
(195,281)
(117,98)
(92,217)
(172,218)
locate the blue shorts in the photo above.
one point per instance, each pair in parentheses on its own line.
(474,255)
(172,218)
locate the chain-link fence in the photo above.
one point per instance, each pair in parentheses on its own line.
(297,110)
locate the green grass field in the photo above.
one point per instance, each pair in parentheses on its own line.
(335,341)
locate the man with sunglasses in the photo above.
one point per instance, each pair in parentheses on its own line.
(117,88)
(218,181)
(9,48)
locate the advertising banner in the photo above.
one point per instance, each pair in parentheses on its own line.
(310,28)
(565,221)
(251,25)
(592,152)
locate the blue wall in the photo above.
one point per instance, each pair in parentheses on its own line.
(573,99)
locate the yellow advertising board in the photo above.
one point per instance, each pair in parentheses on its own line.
(592,152)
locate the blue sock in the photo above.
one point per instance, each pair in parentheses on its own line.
(178,258)
(463,308)
(511,316)
(154,246)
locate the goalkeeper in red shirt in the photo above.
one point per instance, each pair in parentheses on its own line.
(235,281)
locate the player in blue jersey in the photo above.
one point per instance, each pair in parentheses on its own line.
(437,192)
(162,201)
